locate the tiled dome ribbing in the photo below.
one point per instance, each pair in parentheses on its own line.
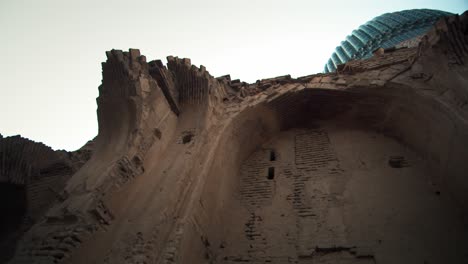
(384,31)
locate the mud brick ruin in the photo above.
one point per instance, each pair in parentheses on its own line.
(365,164)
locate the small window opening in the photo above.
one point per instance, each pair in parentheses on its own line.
(187,138)
(157,133)
(271,173)
(398,162)
(272,155)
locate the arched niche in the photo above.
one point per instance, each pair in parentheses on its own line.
(378,170)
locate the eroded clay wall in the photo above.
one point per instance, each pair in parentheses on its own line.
(335,193)
(320,176)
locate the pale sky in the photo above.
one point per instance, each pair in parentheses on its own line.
(53,49)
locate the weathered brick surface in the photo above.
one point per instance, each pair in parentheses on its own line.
(365,161)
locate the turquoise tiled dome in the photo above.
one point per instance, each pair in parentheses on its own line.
(384,31)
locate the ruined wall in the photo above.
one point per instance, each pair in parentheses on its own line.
(365,165)
(376,100)
(32,179)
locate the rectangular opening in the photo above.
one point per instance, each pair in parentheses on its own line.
(271,173)
(272,155)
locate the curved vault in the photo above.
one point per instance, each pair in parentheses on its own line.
(366,165)
(333,182)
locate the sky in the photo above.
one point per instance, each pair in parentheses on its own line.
(53,49)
